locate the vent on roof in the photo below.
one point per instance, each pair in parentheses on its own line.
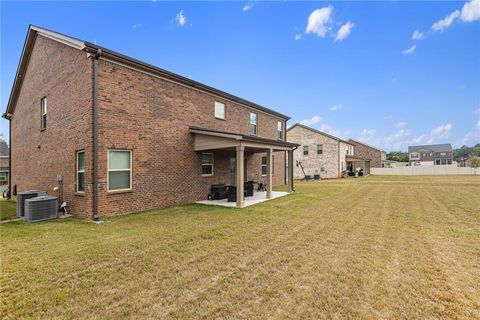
(22,196)
(41,208)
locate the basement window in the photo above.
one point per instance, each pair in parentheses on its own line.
(207,164)
(119,170)
(80,171)
(43,112)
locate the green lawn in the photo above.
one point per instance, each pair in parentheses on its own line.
(376,247)
(7,209)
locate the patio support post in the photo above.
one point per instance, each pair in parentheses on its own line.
(240,170)
(290,171)
(269,173)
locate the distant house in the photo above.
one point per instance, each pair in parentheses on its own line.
(4,162)
(429,155)
(323,154)
(377,156)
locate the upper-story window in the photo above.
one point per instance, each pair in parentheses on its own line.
(253,123)
(414,155)
(43,109)
(319,148)
(280,130)
(305,150)
(219,110)
(431,154)
(347,149)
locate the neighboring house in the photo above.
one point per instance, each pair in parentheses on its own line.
(319,152)
(127,136)
(375,155)
(4,162)
(429,155)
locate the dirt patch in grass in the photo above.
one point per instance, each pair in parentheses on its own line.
(355,248)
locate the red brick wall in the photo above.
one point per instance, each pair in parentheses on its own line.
(64,76)
(151,116)
(367,152)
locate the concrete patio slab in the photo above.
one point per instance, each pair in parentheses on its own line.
(258,197)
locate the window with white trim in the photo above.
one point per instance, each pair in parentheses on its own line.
(43,112)
(253,123)
(207,164)
(119,170)
(280,130)
(264,165)
(305,150)
(80,185)
(219,110)
(3,176)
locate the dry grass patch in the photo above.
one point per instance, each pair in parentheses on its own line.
(379,247)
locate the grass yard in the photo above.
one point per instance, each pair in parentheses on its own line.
(7,209)
(376,247)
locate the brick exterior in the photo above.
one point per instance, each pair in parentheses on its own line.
(367,152)
(64,76)
(331,160)
(137,111)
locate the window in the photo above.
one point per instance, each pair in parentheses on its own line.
(264,165)
(305,150)
(43,119)
(253,124)
(119,170)
(207,164)
(320,149)
(431,154)
(219,110)
(3,176)
(424,154)
(449,161)
(280,130)
(80,171)
(437,161)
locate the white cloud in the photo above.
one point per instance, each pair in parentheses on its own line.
(442,131)
(181,19)
(319,20)
(247,7)
(471,137)
(410,50)
(336,107)
(478,125)
(344,31)
(477,111)
(334,132)
(312,121)
(400,125)
(417,35)
(368,132)
(298,36)
(446,22)
(471,11)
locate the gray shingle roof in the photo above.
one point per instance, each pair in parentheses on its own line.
(445,147)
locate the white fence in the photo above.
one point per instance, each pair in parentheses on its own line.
(424,170)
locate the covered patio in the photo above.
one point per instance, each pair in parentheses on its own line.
(214,140)
(354,161)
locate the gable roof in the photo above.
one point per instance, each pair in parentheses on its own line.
(91,48)
(317,131)
(444,147)
(366,144)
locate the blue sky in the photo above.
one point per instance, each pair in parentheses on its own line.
(353,69)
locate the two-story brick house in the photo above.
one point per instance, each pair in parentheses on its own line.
(429,155)
(320,153)
(4,162)
(127,136)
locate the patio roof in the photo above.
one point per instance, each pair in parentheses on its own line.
(211,139)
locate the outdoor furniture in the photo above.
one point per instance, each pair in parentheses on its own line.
(248,187)
(219,191)
(232,194)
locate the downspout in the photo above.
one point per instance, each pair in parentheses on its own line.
(8,117)
(95,135)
